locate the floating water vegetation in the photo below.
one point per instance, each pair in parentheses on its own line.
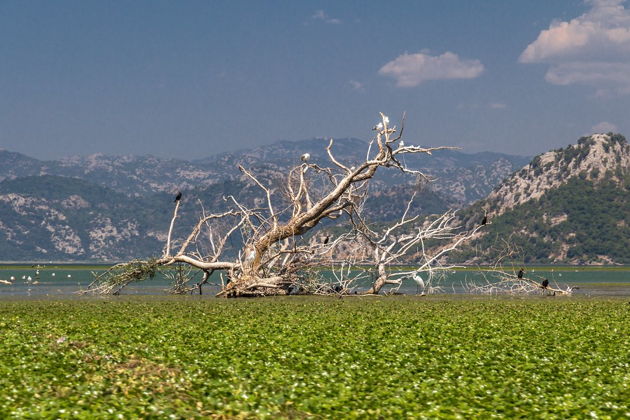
(324,357)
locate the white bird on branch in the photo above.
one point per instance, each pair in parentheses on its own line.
(380,125)
(250,256)
(419,282)
(305,157)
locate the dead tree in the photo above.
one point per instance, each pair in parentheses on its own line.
(502,281)
(420,245)
(506,274)
(273,252)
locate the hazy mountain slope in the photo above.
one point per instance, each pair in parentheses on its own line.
(48,217)
(460,177)
(56,218)
(569,205)
(14,164)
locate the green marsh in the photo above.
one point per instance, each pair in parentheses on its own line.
(301,357)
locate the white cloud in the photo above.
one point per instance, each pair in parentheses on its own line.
(356,85)
(604,127)
(410,70)
(321,15)
(592,49)
(497,105)
(603,75)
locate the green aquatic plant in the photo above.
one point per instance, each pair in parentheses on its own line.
(302,357)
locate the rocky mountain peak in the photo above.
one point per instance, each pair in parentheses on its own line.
(596,158)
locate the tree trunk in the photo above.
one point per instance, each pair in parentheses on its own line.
(380,281)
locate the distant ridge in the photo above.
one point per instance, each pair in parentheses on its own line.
(461,177)
(107,208)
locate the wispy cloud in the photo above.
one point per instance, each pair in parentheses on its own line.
(321,15)
(356,85)
(481,106)
(410,70)
(497,105)
(592,49)
(604,127)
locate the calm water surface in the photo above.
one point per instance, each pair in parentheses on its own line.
(66,280)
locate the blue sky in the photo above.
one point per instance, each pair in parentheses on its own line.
(189,79)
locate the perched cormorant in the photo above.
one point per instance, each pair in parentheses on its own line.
(545,283)
(326,239)
(484,220)
(520,273)
(178,196)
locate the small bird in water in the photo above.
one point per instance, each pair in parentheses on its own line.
(545,283)
(520,273)
(178,196)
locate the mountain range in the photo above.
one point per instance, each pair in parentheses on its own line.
(462,177)
(567,205)
(107,208)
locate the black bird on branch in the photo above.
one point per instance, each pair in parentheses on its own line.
(178,197)
(520,273)
(484,220)
(545,283)
(326,239)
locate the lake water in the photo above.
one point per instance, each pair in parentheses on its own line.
(66,280)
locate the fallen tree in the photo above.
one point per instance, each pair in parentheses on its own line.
(275,256)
